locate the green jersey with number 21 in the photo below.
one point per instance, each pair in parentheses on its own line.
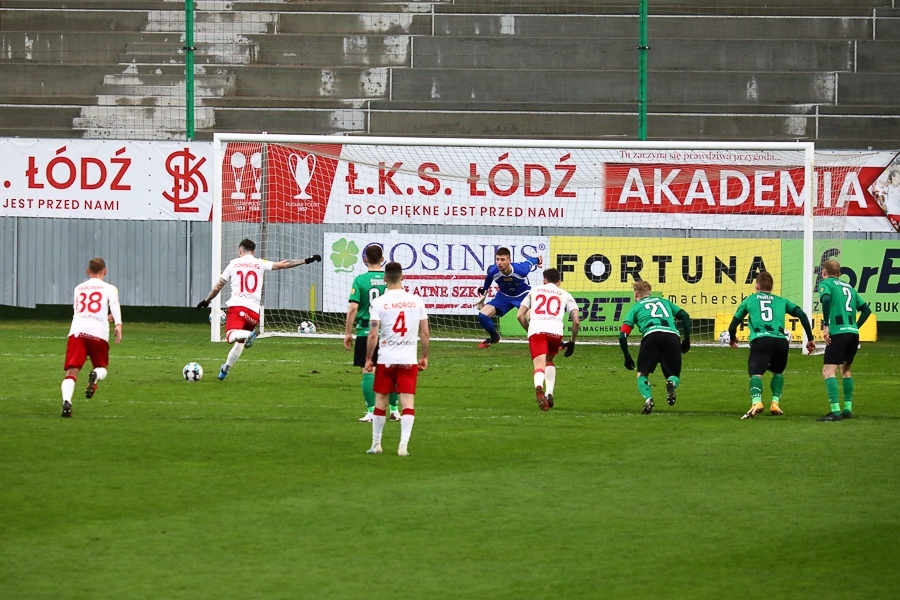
(653,314)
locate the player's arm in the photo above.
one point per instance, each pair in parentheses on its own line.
(575,319)
(371,344)
(623,344)
(686,326)
(735,323)
(352,308)
(425,342)
(212,294)
(523,313)
(488,282)
(295,262)
(864,312)
(116,310)
(825,300)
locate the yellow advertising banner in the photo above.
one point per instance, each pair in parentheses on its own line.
(704,276)
(867,333)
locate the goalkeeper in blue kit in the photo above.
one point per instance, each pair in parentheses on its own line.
(661,344)
(768,344)
(513,286)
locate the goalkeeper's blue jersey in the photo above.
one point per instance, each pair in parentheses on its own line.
(516,283)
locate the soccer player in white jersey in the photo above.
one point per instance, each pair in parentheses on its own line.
(541,314)
(396,320)
(89,334)
(246,275)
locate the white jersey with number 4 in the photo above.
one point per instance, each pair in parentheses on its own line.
(246,276)
(548,305)
(399,313)
(94,300)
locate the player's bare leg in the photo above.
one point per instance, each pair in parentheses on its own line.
(549,383)
(407,418)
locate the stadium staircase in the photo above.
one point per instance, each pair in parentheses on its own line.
(822,70)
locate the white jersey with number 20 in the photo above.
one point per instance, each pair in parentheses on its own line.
(548,305)
(399,313)
(246,276)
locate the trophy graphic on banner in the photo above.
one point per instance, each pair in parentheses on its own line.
(238,162)
(256,164)
(302,168)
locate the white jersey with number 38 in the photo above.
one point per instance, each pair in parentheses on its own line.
(246,276)
(94,300)
(548,305)
(399,314)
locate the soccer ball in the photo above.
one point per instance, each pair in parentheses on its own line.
(306,327)
(788,336)
(192,372)
(724,338)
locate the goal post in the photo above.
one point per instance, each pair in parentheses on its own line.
(697,221)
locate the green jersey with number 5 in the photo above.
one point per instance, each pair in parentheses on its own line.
(366,288)
(845,303)
(767,312)
(653,314)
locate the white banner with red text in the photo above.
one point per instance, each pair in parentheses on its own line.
(445,270)
(106,179)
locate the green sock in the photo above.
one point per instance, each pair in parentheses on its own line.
(834,396)
(777,386)
(848,393)
(368,379)
(644,387)
(675,381)
(755,388)
(394,400)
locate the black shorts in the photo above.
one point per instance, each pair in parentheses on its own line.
(842,349)
(768,354)
(359,351)
(660,348)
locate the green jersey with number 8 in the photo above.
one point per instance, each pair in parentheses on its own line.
(653,314)
(844,304)
(767,312)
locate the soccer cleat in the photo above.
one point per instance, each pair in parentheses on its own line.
(67,409)
(541,398)
(755,409)
(831,417)
(670,392)
(489,342)
(395,416)
(223,371)
(846,415)
(648,407)
(91,386)
(375,449)
(775,409)
(549,400)
(367,418)
(402,451)
(250,339)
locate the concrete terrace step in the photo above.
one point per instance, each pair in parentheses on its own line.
(70,47)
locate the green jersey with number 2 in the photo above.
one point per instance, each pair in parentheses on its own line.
(845,303)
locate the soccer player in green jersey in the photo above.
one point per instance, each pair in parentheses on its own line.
(366,287)
(840,328)
(768,344)
(655,317)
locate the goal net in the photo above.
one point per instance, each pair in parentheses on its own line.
(698,221)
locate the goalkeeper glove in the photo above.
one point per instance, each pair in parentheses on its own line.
(629,363)
(685,345)
(481,291)
(570,348)
(203,304)
(313,258)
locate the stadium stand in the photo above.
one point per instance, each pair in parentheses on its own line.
(820,70)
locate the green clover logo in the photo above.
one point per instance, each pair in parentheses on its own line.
(344,255)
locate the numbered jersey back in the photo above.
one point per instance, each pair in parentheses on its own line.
(548,305)
(399,313)
(91,306)
(653,314)
(246,276)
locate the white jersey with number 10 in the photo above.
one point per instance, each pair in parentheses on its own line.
(399,313)
(548,305)
(246,276)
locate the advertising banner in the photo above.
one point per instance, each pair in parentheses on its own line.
(106,179)
(867,333)
(445,270)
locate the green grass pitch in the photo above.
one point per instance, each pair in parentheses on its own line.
(258,487)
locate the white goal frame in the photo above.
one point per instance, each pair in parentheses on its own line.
(221,140)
